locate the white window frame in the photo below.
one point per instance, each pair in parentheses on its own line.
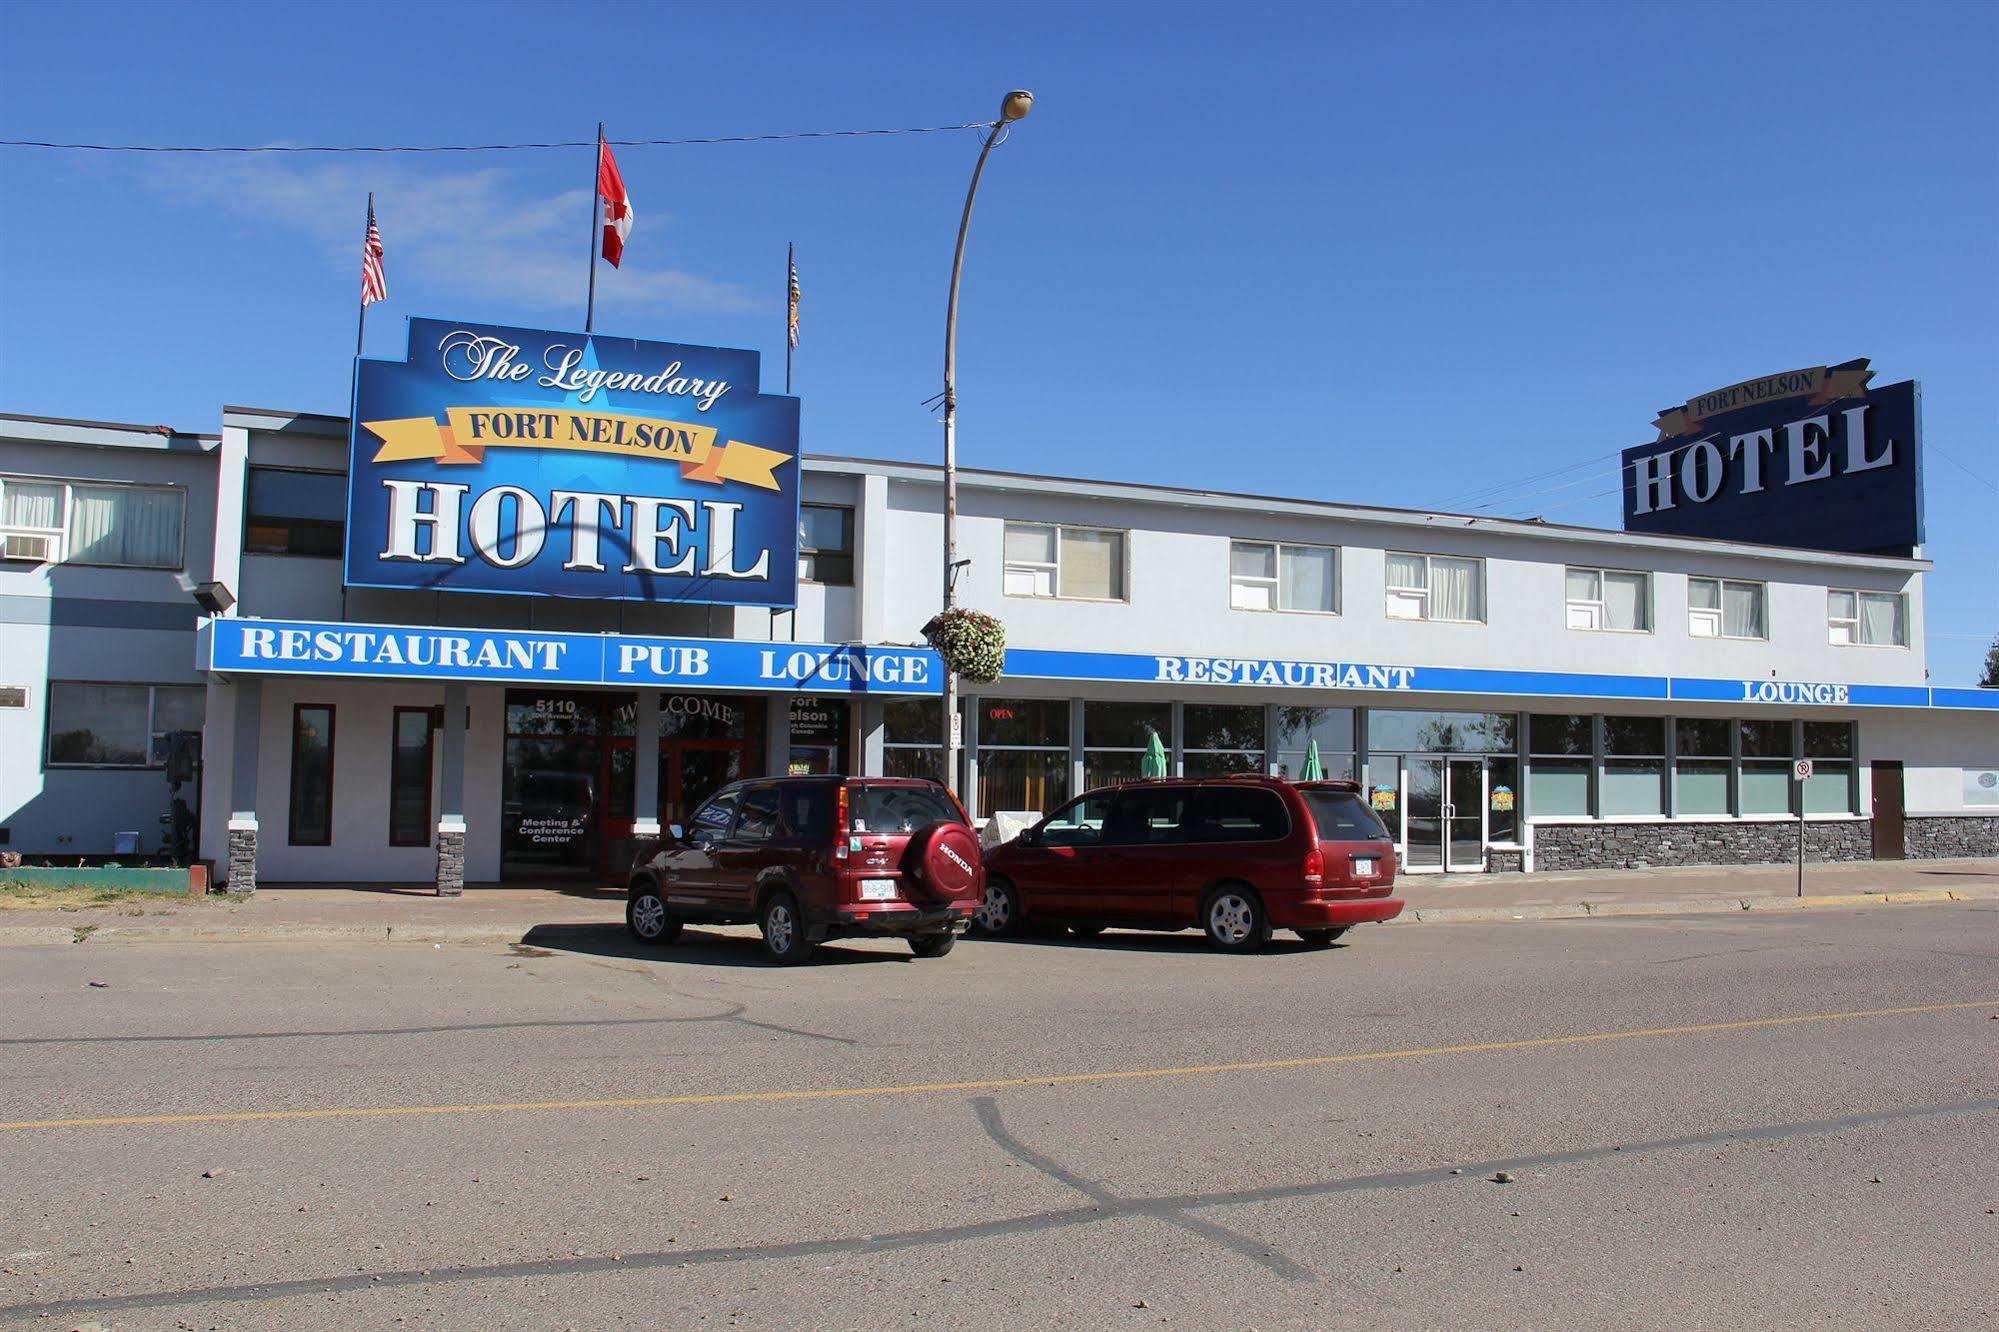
(1054,570)
(1421,598)
(153,732)
(63,535)
(1276,581)
(1718,616)
(1857,620)
(1597,607)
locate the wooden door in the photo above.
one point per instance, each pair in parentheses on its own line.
(1887,783)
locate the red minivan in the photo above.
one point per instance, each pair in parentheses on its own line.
(1234,856)
(815,858)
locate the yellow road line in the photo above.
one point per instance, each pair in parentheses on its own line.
(988,1084)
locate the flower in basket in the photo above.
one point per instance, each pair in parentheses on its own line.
(972,643)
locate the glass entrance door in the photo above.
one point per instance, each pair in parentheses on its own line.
(1443,827)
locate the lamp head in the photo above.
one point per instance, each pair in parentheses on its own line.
(1015,105)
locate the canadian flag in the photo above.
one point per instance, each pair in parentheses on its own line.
(618,213)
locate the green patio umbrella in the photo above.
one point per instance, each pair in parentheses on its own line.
(1311,772)
(1154,762)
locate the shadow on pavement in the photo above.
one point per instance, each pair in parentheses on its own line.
(1147,941)
(695,947)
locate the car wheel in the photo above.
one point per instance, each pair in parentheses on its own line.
(784,930)
(1233,917)
(931,945)
(647,918)
(1322,938)
(999,910)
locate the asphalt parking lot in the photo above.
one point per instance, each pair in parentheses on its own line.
(1768,1120)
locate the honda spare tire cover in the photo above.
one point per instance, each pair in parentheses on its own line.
(943,859)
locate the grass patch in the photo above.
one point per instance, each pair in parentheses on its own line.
(16,896)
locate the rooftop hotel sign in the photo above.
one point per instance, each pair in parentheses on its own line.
(541,463)
(1813,458)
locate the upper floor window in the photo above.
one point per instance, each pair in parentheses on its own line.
(1272,575)
(1722,608)
(826,544)
(1611,599)
(295,513)
(1868,619)
(1435,587)
(63,522)
(1049,560)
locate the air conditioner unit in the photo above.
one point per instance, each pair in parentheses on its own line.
(29,547)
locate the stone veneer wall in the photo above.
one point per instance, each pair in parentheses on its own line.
(242,870)
(1580,846)
(1945,838)
(450,862)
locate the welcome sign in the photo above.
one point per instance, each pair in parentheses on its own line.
(1813,458)
(542,463)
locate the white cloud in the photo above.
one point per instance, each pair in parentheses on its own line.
(478,230)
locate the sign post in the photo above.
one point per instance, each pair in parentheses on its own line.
(1801,772)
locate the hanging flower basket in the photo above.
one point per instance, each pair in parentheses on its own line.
(972,643)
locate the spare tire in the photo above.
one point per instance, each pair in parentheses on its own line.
(943,861)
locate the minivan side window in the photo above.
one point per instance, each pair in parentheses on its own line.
(1147,817)
(759,818)
(716,816)
(1078,823)
(1242,814)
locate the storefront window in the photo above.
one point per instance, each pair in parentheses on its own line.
(1440,732)
(701,717)
(412,744)
(1115,736)
(1700,767)
(1023,754)
(554,714)
(311,822)
(1634,765)
(1765,783)
(1829,745)
(818,736)
(912,738)
(1559,749)
(1222,738)
(1298,728)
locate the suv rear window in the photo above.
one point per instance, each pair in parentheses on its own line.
(1242,814)
(1343,817)
(898,809)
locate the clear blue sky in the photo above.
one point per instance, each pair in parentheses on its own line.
(1386,254)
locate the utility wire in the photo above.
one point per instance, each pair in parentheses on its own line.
(478,147)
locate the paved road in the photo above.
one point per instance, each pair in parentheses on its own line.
(1709,1121)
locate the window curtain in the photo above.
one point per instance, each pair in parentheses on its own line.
(1881,620)
(1742,610)
(1252,561)
(1092,564)
(1454,590)
(1030,545)
(30,504)
(1703,594)
(1307,582)
(122,525)
(1582,585)
(1406,571)
(1624,601)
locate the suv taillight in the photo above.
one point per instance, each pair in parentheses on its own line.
(1313,871)
(840,823)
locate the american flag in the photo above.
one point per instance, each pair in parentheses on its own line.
(374,282)
(791,308)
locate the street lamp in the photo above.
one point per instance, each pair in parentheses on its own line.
(1013,106)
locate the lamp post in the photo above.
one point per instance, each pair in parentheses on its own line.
(1013,106)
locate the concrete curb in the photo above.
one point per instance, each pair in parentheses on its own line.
(1713,906)
(23,935)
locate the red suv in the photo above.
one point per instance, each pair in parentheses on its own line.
(816,858)
(1235,856)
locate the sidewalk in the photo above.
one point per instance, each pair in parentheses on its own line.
(505,915)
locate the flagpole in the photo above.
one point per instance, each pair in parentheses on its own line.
(596,203)
(362,331)
(790,267)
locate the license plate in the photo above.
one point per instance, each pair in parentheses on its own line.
(878,890)
(1364,864)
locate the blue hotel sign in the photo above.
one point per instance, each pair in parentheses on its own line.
(539,463)
(1811,458)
